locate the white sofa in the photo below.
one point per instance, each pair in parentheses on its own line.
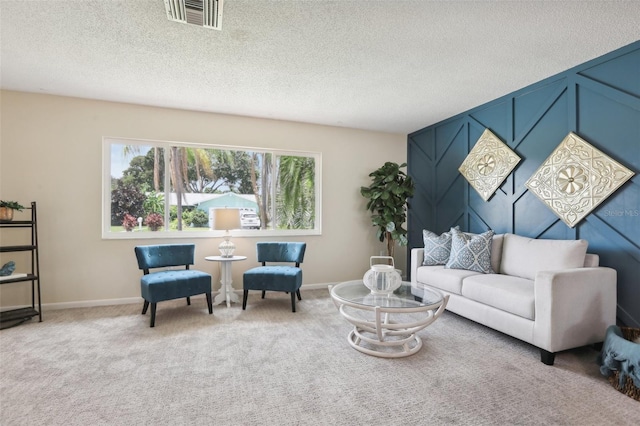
(549,293)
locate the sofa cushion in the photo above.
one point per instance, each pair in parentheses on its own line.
(437,248)
(510,294)
(524,257)
(591,260)
(174,284)
(496,252)
(471,251)
(449,280)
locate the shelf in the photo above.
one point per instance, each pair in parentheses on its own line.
(15,223)
(17,316)
(29,277)
(17,248)
(28,272)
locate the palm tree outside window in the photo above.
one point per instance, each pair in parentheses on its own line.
(179,184)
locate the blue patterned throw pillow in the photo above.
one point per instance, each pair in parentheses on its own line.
(437,248)
(471,251)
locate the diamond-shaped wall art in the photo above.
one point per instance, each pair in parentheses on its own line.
(488,164)
(576,178)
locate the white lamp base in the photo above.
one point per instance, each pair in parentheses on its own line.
(226,247)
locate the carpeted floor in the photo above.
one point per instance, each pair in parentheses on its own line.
(269,366)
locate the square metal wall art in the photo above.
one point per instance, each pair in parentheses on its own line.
(488,164)
(576,178)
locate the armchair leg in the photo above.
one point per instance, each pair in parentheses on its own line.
(209,303)
(145,307)
(153,315)
(298,293)
(244,299)
(188,300)
(293,301)
(263,293)
(547,357)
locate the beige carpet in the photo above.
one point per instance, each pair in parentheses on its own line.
(269,366)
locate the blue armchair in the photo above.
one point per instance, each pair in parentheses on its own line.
(170,284)
(276,277)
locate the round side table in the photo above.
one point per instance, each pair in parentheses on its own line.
(226,289)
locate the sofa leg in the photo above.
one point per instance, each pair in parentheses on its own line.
(598,346)
(153,315)
(244,299)
(263,293)
(547,357)
(145,307)
(188,300)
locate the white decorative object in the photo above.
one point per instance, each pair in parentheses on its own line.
(488,164)
(382,278)
(576,178)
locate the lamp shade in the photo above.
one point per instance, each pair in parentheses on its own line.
(226,219)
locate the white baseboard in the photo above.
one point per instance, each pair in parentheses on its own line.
(91,303)
(130,300)
(316,286)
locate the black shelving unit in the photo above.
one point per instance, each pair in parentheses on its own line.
(15,317)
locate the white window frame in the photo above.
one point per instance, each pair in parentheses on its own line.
(108,141)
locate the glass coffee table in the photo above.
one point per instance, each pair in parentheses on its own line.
(385,325)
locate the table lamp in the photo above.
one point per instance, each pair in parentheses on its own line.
(226,220)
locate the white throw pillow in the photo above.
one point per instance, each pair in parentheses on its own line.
(524,257)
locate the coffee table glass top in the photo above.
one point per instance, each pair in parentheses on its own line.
(356,292)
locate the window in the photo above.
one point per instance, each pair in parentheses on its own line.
(155,189)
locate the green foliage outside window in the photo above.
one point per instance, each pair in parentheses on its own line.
(195,218)
(126,198)
(282,186)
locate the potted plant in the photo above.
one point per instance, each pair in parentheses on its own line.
(387,203)
(154,221)
(7,208)
(129,222)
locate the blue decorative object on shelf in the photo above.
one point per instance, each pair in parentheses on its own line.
(8,268)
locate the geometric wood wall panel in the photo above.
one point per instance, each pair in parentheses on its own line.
(600,101)
(497,115)
(531,101)
(488,164)
(496,214)
(576,178)
(449,161)
(615,73)
(421,212)
(451,206)
(538,141)
(530,217)
(447,132)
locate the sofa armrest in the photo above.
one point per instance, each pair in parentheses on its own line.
(573,307)
(417,256)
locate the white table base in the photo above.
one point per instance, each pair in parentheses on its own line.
(227,293)
(383,337)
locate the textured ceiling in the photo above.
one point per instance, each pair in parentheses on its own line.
(393,66)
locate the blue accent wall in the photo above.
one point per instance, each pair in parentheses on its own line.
(599,101)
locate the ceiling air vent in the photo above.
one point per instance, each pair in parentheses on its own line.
(204,13)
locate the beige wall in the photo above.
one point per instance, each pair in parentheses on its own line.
(50,152)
